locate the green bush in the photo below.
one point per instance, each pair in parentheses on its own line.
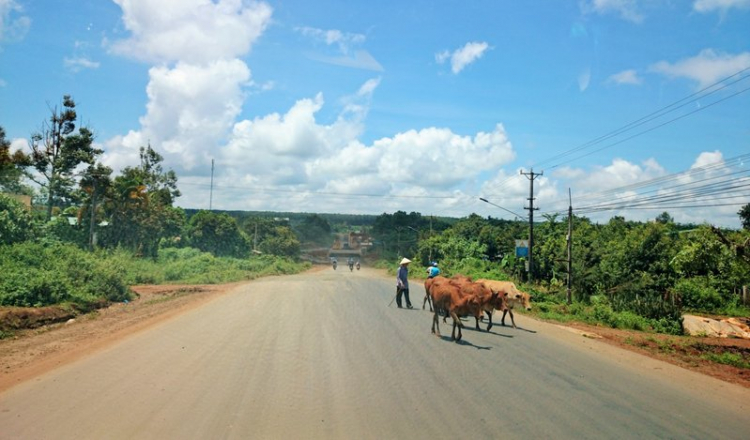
(697,294)
(16,223)
(36,274)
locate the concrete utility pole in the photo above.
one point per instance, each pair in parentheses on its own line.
(93,215)
(531,175)
(570,247)
(211,191)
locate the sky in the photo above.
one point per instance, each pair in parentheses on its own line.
(621,107)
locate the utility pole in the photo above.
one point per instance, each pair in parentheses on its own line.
(430,238)
(570,247)
(211,192)
(93,215)
(531,175)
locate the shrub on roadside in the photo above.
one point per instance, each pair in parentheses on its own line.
(697,294)
(36,274)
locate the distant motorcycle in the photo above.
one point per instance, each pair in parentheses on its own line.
(334,265)
(351,267)
(357,265)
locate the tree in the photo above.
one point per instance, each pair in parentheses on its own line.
(16,224)
(139,205)
(95,184)
(57,150)
(316,229)
(281,241)
(744,214)
(11,168)
(218,234)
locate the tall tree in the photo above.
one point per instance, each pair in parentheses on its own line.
(57,150)
(139,205)
(217,233)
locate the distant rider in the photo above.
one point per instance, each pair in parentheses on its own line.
(433,270)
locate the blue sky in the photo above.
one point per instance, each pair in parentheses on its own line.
(372,107)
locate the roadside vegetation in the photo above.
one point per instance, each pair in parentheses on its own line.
(85,234)
(628,275)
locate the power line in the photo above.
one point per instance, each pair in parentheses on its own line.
(703,93)
(657,114)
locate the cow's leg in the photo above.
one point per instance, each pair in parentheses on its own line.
(476,317)
(489,318)
(456,324)
(435,324)
(502,321)
(455,320)
(427,299)
(513,321)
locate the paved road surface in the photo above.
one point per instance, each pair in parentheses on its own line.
(321,355)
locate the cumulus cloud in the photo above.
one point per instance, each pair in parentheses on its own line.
(626,9)
(190,110)
(707,158)
(626,77)
(13,24)
(706,68)
(723,6)
(198,86)
(192,31)
(462,57)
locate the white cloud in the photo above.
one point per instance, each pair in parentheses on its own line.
(79,63)
(190,110)
(625,77)
(20,144)
(626,9)
(13,24)
(192,105)
(719,5)
(193,31)
(346,55)
(462,57)
(707,158)
(584,79)
(705,68)
(360,59)
(343,40)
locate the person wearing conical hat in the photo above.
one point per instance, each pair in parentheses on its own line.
(402,283)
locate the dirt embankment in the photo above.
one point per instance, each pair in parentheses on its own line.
(70,336)
(32,352)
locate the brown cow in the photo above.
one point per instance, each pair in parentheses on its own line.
(490,300)
(514,297)
(427,284)
(447,296)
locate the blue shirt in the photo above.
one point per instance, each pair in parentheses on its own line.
(402,275)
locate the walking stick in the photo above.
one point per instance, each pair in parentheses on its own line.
(394,298)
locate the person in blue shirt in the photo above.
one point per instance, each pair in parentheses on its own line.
(433,270)
(402,283)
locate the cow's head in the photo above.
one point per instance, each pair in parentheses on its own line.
(516,297)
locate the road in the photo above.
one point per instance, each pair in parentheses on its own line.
(322,355)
